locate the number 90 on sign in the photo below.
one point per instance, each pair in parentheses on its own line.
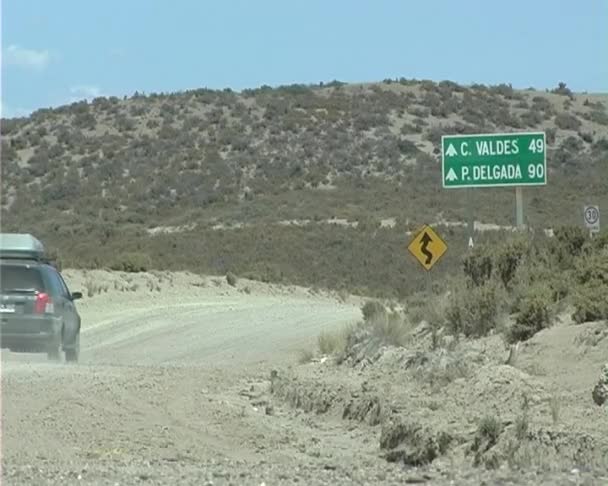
(536,171)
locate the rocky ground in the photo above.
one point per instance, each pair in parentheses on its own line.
(190,380)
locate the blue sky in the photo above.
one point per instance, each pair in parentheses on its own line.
(57,51)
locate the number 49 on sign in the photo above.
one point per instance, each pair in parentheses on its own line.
(536,146)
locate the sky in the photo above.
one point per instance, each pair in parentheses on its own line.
(55,52)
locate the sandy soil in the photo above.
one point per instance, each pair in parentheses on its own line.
(188,380)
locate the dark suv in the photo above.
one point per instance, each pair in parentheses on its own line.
(37,310)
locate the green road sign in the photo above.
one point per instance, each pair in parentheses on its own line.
(494,160)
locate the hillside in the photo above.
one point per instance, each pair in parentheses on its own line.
(199,179)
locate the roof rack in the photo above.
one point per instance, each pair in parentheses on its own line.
(21,246)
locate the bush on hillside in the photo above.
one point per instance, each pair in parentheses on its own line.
(390,329)
(598,116)
(566,121)
(592,268)
(473,312)
(131,262)
(508,257)
(477,267)
(568,244)
(562,89)
(590,297)
(372,309)
(590,303)
(540,272)
(534,314)
(531,118)
(231,279)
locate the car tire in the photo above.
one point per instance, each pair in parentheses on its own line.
(73,354)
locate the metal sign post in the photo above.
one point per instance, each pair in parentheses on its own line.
(519,207)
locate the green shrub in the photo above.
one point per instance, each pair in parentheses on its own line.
(372,310)
(592,269)
(558,282)
(534,314)
(486,437)
(566,121)
(131,262)
(531,118)
(590,303)
(599,116)
(333,342)
(569,242)
(231,279)
(305,356)
(489,429)
(478,267)
(562,89)
(390,329)
(508,258)
(590,294)
(473,312)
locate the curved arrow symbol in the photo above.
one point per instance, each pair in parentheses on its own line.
(424,243)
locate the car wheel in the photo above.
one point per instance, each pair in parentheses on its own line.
(72,354)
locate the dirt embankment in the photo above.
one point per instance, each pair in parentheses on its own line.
(461,412)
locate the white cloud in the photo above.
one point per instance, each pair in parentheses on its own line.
(84,92)
(15,55)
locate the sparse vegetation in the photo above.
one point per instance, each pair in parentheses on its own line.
(530,278)
(373,310)
(305,356)
(555,407)
(390,329)
(231,279)
(131,262)
(488,432)
(474,312)
(567,121)
(562,89)
(534,314)
(330,342)
(202,158)
(513,285)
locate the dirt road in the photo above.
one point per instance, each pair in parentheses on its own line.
(171,389)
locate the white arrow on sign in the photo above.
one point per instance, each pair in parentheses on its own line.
(451,176)
(451,151)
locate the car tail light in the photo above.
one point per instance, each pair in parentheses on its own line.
(43,304)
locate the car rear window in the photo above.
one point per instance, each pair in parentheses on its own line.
(17,277)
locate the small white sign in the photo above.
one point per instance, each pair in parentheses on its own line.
(592,218)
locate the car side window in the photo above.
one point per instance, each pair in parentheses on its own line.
(64,286)
(55,283)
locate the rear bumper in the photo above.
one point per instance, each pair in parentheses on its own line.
(29,334)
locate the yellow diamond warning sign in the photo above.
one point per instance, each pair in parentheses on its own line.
(427,247)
